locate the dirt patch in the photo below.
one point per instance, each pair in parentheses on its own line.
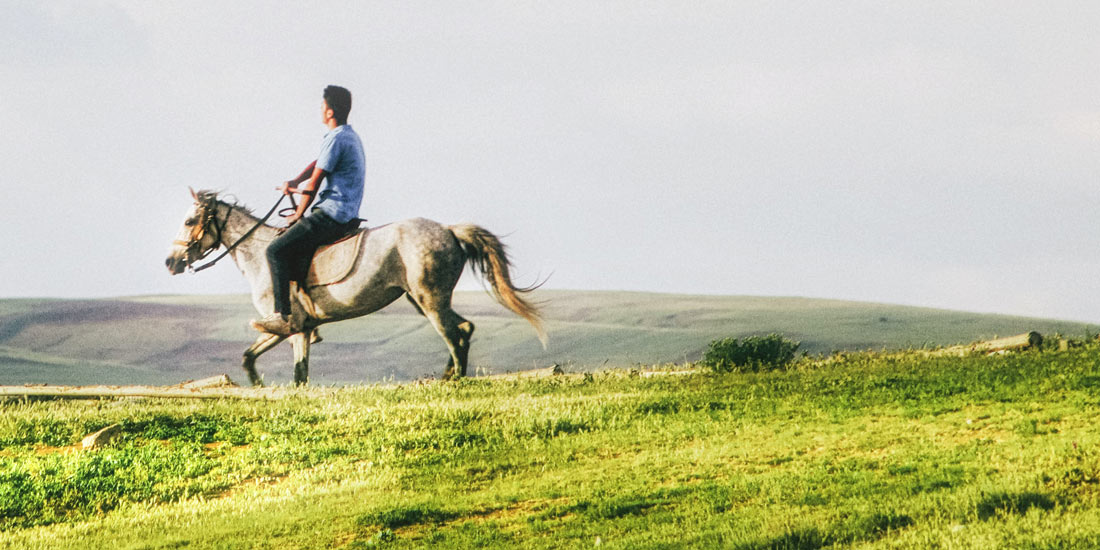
(46,450)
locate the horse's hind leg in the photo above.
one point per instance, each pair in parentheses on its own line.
(462,347)
(456,332)
(263,343)
(301,342)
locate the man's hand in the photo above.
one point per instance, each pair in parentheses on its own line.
(293,219)
(308,191)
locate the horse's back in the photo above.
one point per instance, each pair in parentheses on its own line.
(416,255)
(400,250)
(420,230)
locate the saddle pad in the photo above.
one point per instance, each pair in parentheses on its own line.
(334,262)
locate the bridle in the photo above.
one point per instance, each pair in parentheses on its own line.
(208,221)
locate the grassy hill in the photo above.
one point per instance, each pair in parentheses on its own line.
(866,451)
(167,339)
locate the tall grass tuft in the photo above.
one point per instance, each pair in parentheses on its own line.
(753,353)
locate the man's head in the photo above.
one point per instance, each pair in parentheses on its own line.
(338,100)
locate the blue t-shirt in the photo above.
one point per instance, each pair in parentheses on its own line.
(342,157)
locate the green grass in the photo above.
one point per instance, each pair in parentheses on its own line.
(864,451)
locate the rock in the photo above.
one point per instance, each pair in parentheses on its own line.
(101,438)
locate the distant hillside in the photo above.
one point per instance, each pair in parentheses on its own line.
(167,339)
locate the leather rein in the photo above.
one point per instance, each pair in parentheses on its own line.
(208,218)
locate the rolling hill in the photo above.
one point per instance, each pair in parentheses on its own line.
(167,339)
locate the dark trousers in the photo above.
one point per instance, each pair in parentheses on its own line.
(290,254)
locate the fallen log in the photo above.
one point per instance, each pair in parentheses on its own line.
(215,387)
(1020,342)
(545,372)
(219,381)
(175,392)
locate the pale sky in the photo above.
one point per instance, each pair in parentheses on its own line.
(941,154)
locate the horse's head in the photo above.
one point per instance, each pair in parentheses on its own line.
(199,235)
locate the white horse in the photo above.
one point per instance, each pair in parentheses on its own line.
(417,258)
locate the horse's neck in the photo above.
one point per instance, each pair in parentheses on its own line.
(250,254)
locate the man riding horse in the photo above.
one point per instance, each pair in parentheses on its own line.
(418,259)
(336,212)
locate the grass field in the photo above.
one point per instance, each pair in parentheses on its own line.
(168,339)
(860,451)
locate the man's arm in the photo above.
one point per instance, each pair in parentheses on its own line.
(308,191)
(304,175)
(291,185)
(312,176)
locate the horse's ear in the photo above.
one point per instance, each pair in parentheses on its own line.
(193,193)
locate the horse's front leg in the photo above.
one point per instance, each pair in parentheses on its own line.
(301,342)
(263,343)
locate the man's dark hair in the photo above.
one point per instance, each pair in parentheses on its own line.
(339,100)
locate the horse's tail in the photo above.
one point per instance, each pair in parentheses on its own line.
(485,253)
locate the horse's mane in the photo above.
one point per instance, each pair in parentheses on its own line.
(209,195)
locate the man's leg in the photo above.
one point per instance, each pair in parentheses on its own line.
(289,256)
(283,257)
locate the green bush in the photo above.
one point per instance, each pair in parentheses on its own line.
(753,353)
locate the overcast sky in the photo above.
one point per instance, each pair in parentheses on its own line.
(940,154)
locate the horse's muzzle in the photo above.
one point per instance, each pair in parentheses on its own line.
(175,264)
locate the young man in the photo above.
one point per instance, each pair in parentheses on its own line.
(335,213)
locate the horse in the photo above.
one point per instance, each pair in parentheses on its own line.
(416,258)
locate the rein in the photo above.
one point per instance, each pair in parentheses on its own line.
(233,246)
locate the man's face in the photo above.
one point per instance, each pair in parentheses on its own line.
(326,112)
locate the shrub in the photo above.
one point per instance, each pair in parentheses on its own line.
(754,353)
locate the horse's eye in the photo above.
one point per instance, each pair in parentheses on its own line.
(190,222)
